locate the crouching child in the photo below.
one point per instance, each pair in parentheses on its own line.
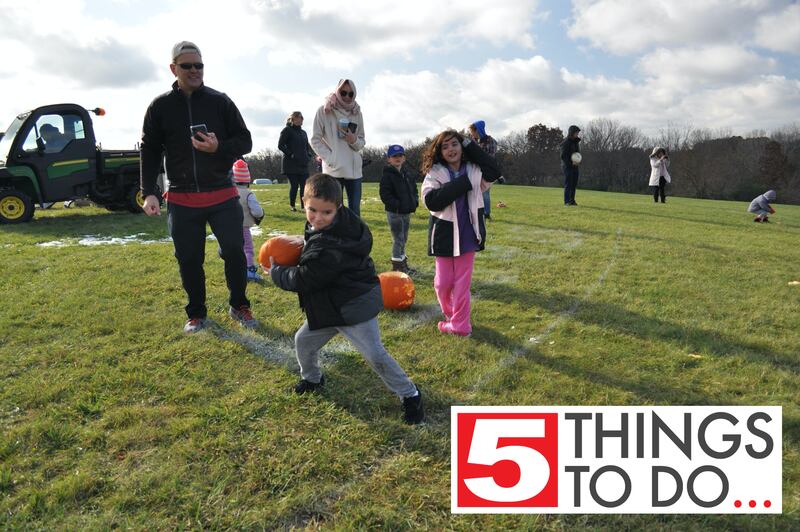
(339,292)
(761,206)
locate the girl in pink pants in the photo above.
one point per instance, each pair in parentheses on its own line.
(457,171)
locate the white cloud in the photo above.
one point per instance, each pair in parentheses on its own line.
(514,95)
(624,27)
(780,31)
(420,66)
(685,69)
(330,33)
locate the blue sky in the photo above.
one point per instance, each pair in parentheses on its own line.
(419,66)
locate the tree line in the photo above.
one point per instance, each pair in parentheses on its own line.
(705,163)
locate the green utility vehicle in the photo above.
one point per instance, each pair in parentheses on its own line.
(50,154)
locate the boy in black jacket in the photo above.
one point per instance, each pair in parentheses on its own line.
(340,293)
(400,197)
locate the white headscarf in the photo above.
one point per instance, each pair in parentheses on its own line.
(334,101)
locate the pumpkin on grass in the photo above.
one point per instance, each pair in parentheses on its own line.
(284,249)
(397,289)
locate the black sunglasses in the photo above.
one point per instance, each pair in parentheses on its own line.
(188,66)
(345,93)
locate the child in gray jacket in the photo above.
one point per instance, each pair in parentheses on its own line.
(761,206)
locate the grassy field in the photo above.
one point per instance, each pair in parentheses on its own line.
(111,417)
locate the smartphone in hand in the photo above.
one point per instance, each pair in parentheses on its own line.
(199,127)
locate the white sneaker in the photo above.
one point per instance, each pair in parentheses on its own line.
(194,325)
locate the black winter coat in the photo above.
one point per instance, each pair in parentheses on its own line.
(296,150)
(335,278)
(398,190)
(568,147)
(166,131)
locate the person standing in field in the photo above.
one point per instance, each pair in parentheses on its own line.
(338,139)
(569,163)
(659,173)
(202,133)
(253,214)
(477,130)
(297,153)
(400,198)
(457,171)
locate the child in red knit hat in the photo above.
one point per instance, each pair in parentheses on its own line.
(253,214)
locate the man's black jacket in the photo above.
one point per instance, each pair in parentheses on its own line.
(166,131)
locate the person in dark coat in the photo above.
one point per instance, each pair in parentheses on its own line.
(198,132)
(340,293)
(400,198)
(297,153)
(570,162)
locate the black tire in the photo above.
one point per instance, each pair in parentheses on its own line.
(134,200)
(15,207)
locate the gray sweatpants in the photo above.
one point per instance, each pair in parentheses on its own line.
(398,224)
(366,338)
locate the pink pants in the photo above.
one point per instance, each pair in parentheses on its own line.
(248,245)
(452,282)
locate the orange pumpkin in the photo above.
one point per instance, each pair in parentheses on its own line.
(397,289)
(284,249)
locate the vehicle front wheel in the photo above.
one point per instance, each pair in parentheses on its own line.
(15,207)
(135,201)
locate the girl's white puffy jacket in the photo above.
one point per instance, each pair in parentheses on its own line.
(439,194)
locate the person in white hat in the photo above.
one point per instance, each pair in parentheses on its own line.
(659,173)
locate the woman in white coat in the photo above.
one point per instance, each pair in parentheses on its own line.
(659,173)
(338,139)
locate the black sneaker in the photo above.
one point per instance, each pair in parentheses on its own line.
(307,386)
(413,413)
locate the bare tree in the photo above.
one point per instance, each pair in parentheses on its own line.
(605,135)
(674,137)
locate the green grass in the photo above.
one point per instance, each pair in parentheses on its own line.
(111,417)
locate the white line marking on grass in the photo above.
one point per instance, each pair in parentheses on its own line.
(563,317)
(280,350)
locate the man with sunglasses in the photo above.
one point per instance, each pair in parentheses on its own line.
(200,133)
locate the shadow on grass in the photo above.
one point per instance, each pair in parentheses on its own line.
(669,217)
(646,389)
(632,323)
(350,382)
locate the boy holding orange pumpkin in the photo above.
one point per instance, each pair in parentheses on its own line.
(339,291)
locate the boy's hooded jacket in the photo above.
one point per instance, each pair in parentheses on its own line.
(335,279)
(762,202)
(569,146)
(398,191)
